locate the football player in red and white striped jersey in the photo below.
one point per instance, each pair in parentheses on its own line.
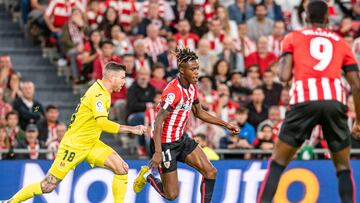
(169,144)
(315,58)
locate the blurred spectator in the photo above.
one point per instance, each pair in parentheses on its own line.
(91,52)
(165,10)
(14,131)
(158,73)
(247,131)
(153,17)
(30,110)
(351,111)
(198,24)
(4,140)
(259,25)
(221,71)
(140,94)
(239,93)
(154,43)
(262,57)
(149,119)
(122,45)
(72,41)
(207,58)
(275,40)
(31,143)
(47,125)
(229,54)
(298,16)
(264,141)
(209,9)
(168,58)
(12,90)
(214,133)
(209,152)
(142,60)
(225,107)
(274,10)
(252,78)
(5,69)
(128,12)
(274,120)
(274,67)
(129,61)
(271,89)
(258,111)
(229,26)
(5,108)
(216,35)
(243,43)
(240,11)
(182,10)
(110,18)
(107,55)
(54,144)
(284,102)
(353,12)
(184,38)
(346,28)
(207,95)
(93,14)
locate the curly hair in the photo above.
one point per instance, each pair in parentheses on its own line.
(184,55)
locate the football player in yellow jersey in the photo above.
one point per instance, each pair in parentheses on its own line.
(81,141)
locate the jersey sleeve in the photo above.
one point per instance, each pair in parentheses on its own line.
(349,62)
(170,98)
(288,46)
(99,106)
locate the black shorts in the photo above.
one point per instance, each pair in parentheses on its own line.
(173,152)
(302,118)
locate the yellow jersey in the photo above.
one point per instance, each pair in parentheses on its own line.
(83,131)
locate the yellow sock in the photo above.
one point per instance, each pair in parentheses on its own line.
(27,192)
(119,186)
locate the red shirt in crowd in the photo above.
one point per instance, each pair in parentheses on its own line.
(158,84)
(263,63)
(59,11)
(190,40)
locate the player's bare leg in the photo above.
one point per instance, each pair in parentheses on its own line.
(47,185)
(281,157)
(346,184)
(198,160)
(120,169)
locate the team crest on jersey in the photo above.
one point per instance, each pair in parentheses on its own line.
(167,164)
(170,98)
(99,105)
(62,164)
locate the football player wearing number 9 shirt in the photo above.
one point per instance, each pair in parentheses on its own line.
(315,58)
(81,141)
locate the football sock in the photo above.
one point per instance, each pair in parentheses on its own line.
(119,186)
(206,190)
(270,183)
(157,184)
(346,186)
(27,192)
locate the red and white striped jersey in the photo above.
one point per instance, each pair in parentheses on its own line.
(178,100)
(246,44)
(216,42)
(161,8)
(209,11)
(59,11)
(190,40)
(125,9)
(155,47)
(319,56)
(275,45)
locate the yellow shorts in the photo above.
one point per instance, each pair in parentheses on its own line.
(68,158)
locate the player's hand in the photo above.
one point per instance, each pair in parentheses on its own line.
(139,130)
(233,129)
(356,130)
(156,160)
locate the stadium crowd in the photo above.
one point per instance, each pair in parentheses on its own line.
(238,44)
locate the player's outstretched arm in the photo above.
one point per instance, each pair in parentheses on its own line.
(200,113)
(354,81)
(285,67)
(112,127)
(159,120)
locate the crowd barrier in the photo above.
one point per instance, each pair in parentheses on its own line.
(237,181)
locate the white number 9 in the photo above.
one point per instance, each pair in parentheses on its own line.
(322,50)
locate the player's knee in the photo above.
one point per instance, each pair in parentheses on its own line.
(211,174)
(172,195)
(121,169)
(47,187)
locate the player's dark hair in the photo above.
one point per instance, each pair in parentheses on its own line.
(257,88)
(316,11)
(50,107)
(115,66)
(201,136)
(184,55)
(261,4)
(105,42)
(11,113)
(242,110)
